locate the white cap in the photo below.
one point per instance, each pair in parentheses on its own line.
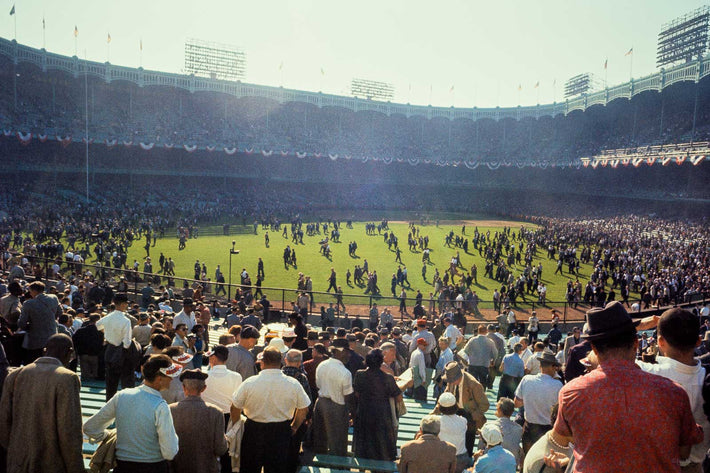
(491,434)
(447,399)
(278,343)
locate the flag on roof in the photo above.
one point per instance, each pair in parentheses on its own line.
(12,10)
(630,52)
(76,31)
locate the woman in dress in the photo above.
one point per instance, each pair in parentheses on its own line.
(374,426)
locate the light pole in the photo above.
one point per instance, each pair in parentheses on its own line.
(232,251)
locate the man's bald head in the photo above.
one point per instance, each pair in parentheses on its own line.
(59,346)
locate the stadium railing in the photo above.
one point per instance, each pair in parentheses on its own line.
(282,299)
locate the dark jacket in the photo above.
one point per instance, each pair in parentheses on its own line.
(88,340)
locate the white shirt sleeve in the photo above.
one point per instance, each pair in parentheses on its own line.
(95,426)
(348,384)
(240,395)
(166,431)
(127,332)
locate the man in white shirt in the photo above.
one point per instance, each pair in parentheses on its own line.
(538,393)
(275,405)
(117,335)
(514,340)
(331,412)
(677,338)
(533,364)
(512,322)
(452,333)
(222,385)
(527,352)
(186,315)
(417,361)
(453,429)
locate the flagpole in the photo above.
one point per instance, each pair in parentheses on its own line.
(14,18)
(140,59)
(86,115)
(44,34)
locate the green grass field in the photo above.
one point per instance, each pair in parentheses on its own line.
(214,250)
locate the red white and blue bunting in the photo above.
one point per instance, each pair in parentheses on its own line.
(694,153)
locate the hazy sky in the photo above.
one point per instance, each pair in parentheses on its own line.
(483,49)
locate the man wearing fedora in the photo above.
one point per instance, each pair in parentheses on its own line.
(538,393)
(199,427)
(470,397)
(619,417)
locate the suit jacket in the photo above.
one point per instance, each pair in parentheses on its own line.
(88,340)
(500,346)
(569,343)
(39,318)
(40,419)
(472,399)
(200,429)
(427,454)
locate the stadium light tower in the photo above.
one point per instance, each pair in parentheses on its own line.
(580,84)
(372,90)
(685,38)
(232,251)
(214,60)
